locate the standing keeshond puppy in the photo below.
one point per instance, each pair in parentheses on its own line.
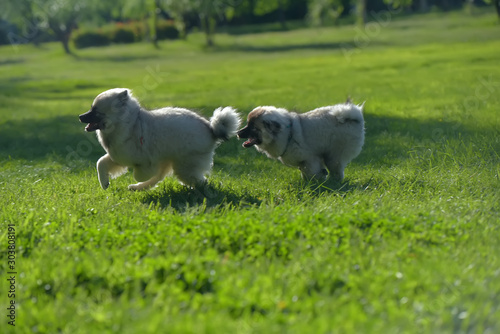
(324,138)
(155,143)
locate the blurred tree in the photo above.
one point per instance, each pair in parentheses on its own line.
(21,14)
(209,12)
(108,10)
(403,3)
(262,7)
(265,11)
(179,10)
(147,11)
(496,3)
(156,12)
(423,6)
(61,17)
(281,13)
(361,12)
(320,10)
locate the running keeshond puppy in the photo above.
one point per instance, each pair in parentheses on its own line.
(155,143)
(325,137)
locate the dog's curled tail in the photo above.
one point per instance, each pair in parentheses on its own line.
(225,122)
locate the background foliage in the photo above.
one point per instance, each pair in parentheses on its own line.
(37,21)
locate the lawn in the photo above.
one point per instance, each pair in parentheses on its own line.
(407,243)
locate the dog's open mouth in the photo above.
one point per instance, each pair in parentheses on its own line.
(251,142)
(92,127)
(92,119)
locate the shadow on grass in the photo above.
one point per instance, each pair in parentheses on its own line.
(278,48)
(388,139)
(11,61)
(330,186)
(28,89)
(61,138)
(182,198)
(347,45)
(264,28)
(122,58)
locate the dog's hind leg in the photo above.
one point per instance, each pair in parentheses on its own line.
(108,168)
(145,172)
(313,170)
(336,168)
(146,184)
(191,171)
(160,175)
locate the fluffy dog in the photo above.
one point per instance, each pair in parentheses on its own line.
(155,143)
(325,137)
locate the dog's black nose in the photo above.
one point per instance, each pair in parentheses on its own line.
(242,133)
(89,117)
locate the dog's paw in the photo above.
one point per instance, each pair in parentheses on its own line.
(140,186)
(135,187)
(105,186)
(209,191)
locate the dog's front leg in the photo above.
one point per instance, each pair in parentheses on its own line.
(106,168)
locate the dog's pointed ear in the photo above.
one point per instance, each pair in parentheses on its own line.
(272,126)
(123,96)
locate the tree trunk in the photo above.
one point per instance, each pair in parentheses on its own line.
(181,25)
(33,31)
(65,43)
(281,14)
(497,7)
(63,33)
(445,5)
(361,12)
(210,41)
(154,38)
(208,26)
(147,30)
(423,6)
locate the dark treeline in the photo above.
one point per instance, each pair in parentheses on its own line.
(36,21)
(249,12)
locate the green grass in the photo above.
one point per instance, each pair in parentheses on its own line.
(408,243)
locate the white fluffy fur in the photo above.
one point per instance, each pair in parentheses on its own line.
(155,143)
(325,137)
(223,122)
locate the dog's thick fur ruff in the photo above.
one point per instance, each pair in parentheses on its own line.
(325,137)
(155,143)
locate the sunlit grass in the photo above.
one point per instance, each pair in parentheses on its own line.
(407,243)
